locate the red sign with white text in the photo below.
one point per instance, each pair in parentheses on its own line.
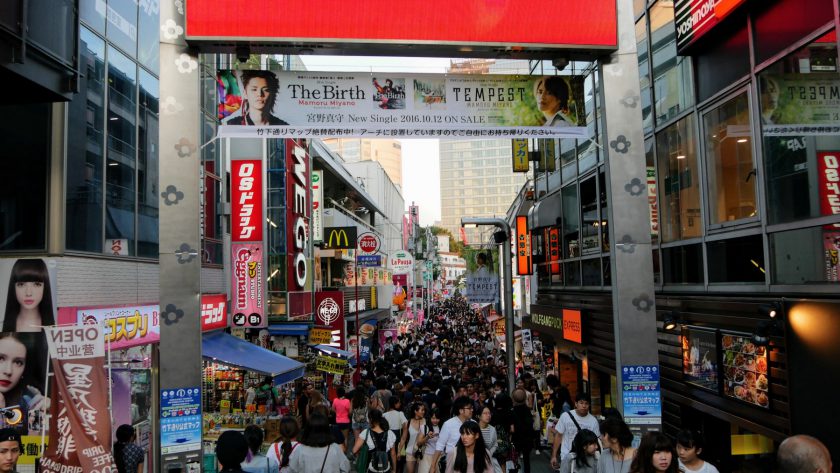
(246,206)
(297,214)
(547,23)
(329,312)
(213,312)
(523,246)
(828,165)
(695,18)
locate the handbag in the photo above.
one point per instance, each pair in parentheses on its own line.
(325,458)
(536,415)
(362,458)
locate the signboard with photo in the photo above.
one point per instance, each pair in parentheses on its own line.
(700,357)
(745,370)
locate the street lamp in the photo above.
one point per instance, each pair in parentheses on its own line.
(505,269)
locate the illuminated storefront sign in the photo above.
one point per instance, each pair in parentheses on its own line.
(523,246)
(329,312)
(246,200)
(247,288)
(520,155)
(213,312)
(125,326)
(695,18)
(317,203)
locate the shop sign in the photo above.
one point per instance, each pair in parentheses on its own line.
(550,321)
(364,348)
(320,336)
(572,328)
(401,262)
(330,364)
(340,238)
(180,420)
(31,449)
(829,184)
(527,342)
(548,154)
(126,326)
(317,203)
(641,394)
(520,155)
(79,415)
(499,327)
(652,201)
(353,104)
(523,246)
(357,305)
(246,206)
(247,289)
(329,312)
(213,312)
(554,250)
(695,18)
(297,220)
(369,243)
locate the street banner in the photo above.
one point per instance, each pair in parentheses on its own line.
(247,288)
(482,288)
(317,207)
(246,206)
(287,104)
(519,150)
(79,419)
(330,364)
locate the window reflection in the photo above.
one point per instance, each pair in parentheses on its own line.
(147,167)
(571,222)
(671,73)
(678,178)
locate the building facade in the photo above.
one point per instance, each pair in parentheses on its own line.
(388,153)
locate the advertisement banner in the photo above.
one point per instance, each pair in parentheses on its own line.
(30,272)
(523,246)
(297,222)
(519,150)
(247,285)
(79,413)
(527,341)
(246,205)
(180,420)
(125,326)
(800,104)
(315,104)
(482,289)
(329,312)
(330,364)
(641,395)
(700,357)
(320,336)
(317,210)
(213,312)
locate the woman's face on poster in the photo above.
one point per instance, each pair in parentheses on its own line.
(12,363)
(257,93)
(29,294)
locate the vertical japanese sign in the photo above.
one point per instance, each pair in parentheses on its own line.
(317,211)
(828,164)
(246,206)
(641,394)
(213,312)
(247,289)
(298,180)
(329,312)
(523,246)
(79,418)
(520,155)
(554,250)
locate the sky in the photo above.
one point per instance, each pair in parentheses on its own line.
(421,164)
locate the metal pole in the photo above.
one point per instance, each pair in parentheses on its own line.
(356,289)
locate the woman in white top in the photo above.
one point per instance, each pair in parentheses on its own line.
(318,452)
(282,448)
(414,436)
(490,436)
(397,421)
(428,443)
(689,446)
(378,425)
(255,462)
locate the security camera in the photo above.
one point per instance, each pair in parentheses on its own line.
(243,52)
(560,63)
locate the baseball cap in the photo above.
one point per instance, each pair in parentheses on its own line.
(10,435)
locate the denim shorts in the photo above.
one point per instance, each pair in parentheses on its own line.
(360,426)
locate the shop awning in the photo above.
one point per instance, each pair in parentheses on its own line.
(227,349)
(545,212)
(375,314)
(334,351)
(295,330)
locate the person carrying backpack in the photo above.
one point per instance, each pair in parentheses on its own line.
(382,457)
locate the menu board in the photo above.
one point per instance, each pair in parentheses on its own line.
(745,370)
(700,357)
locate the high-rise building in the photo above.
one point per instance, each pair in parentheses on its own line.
(387,152)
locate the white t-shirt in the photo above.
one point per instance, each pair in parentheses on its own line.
(567,428)
(449,435)
(706,468)
(371,443)
(396,419)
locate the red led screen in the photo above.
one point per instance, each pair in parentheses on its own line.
(534,22)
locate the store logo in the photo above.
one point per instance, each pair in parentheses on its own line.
(328,311)
(341,238)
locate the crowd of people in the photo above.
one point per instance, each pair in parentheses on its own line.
(436,401)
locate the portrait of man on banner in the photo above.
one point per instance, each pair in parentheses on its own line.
(558,101)
(248,98)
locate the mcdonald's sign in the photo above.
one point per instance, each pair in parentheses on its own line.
(340,238)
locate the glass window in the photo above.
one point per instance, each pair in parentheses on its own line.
(644,73)
(121,150)
(571,222)
(725,58)
(671,73)
(657,268)
(605,215)
(590,243)
(806,256)
(591,272)
(148,44)
(678,178)
(92,12)
(122,25)
(683,264)
(567,159)
(736,260)
(638,7)
(572,269)
(85,148)
(653,202)
(729,161)
(147,167)
(797,97)
(783,23)
(605,264)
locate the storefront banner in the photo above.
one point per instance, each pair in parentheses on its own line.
(317,203)
(14,270)
(352,104)
(213,312)
(523,246)
(482,288)
(641,395)
(79,413)
(401,262)
(329,312)
(330,364)
(800,104)
(320,336)
(180,420)
(831,245)
(297,221)
(519,151)
(125,326)
(247,290)
(246,202)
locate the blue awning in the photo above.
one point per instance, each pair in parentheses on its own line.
(227,349)
(296,330)
(333,351)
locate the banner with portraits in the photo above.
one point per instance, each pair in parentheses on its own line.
(293,104)
(800,104)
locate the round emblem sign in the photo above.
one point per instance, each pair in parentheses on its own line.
(368,243)
(328,311)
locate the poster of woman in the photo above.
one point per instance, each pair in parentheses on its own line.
(700,357)
(28,294)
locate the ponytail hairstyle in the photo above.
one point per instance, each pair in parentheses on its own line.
(289,430)
(254,437)
(125,434)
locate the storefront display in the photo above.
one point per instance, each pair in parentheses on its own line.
(745,365)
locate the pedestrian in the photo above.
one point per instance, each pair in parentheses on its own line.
(689,447)
(428,442)
(317,452)
(584,455)
(797,454)
(397,423)
(523,432)
(569,424)
(617,441)
(282,448)
(413,435)
(128,456)
(380,443)
(11,447)
(490,437)
(341,406)
(656,454)
(303,401)
(470,454)
(255,462)
(231,450)
(449,433)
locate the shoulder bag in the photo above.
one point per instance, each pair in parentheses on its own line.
(363,456)
(325,458)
